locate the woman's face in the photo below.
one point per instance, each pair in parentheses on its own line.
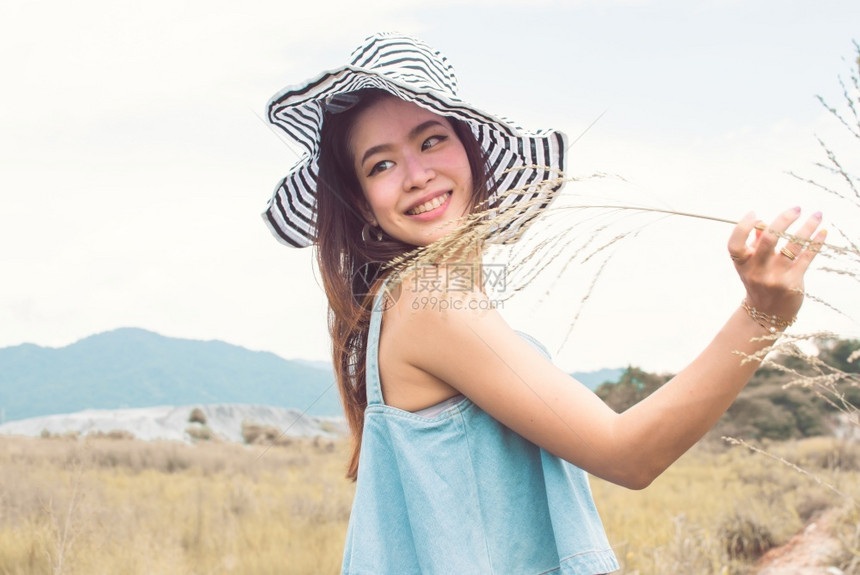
(412,168)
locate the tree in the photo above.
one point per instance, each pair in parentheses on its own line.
(633,386)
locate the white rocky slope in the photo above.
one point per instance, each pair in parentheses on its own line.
(169,422)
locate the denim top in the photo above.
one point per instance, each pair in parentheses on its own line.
(460,493)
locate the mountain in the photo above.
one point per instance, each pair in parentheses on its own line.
(130,368)
(133,368)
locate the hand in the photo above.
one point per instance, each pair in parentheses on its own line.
(774,279)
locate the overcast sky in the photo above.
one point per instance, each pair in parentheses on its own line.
(134,163)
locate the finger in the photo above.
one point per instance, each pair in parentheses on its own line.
(739,251)
(806,256)
(800,240)
(766,243)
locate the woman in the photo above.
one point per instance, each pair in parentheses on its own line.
(470,445)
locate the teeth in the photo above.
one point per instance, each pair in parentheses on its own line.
(427,206)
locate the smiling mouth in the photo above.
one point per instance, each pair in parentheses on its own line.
(429,205)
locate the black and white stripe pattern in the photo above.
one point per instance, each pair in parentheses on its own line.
(412,71)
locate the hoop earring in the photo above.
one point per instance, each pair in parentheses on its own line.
(365,233)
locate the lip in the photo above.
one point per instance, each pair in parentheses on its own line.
(435,212)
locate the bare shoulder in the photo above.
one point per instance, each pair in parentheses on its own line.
(419,301)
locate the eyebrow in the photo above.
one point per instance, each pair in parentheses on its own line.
(412,134)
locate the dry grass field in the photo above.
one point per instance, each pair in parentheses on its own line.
(132,507)
(111,506)
(719,508)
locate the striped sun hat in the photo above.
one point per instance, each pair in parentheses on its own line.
(415,72)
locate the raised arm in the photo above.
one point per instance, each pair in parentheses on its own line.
(474,351)
(697,397)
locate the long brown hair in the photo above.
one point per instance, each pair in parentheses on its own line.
(351,267)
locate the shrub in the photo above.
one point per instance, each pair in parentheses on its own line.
(744,538)
(197,416)
(115,434)
(812,505)
(256,434)
(200,432)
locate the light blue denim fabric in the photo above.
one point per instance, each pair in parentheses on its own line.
(460,493)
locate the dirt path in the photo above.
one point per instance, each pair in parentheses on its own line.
(807,552)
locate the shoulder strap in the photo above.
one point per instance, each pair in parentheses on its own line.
(371,359)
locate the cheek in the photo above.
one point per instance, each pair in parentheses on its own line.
(369,207)
(378,197)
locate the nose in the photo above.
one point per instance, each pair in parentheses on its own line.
(418,172)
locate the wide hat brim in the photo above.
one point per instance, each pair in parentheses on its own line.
(527,167)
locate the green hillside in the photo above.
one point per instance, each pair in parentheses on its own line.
(132,367)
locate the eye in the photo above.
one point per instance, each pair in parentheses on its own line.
(432,141)
(380,167)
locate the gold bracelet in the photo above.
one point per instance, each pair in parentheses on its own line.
(772,323)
